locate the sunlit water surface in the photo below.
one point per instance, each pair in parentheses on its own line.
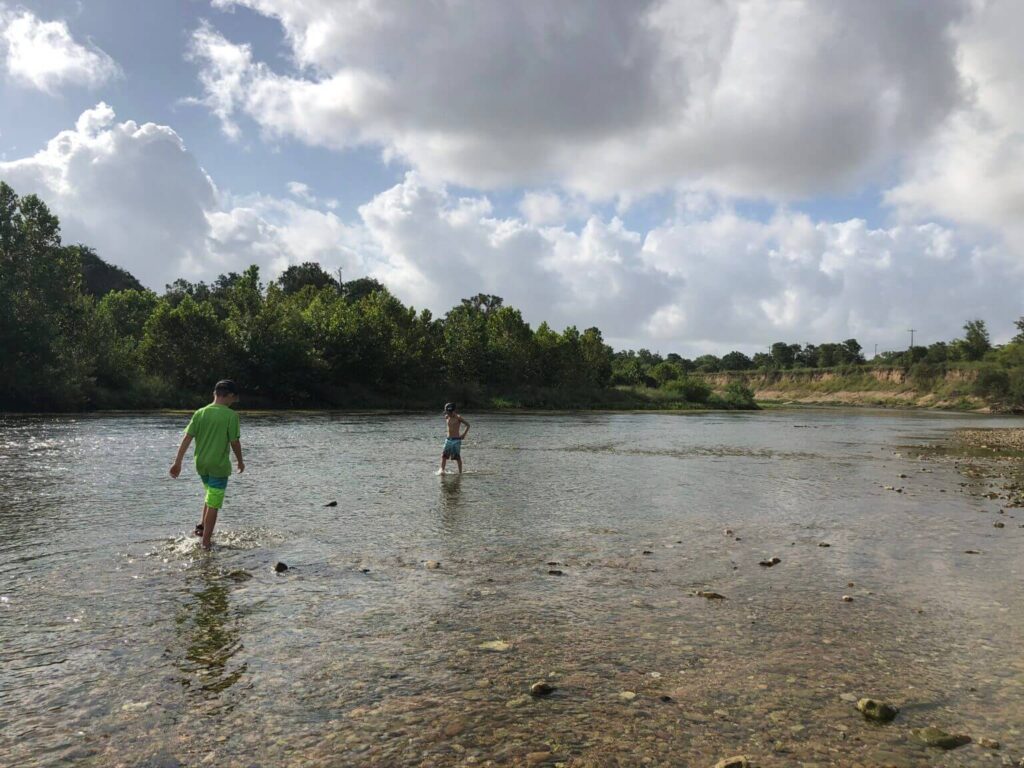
(121,643)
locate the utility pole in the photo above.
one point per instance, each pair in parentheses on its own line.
(876,352)
(912,331)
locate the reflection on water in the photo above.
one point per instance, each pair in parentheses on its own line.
(416,613)
(208,632)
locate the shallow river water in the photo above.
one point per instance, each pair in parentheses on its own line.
(417,612)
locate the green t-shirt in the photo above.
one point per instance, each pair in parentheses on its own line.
(214,428)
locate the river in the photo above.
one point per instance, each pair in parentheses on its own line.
(416,613)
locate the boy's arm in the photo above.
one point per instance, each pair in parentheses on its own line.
(236,446)
(186,441)
(466,430)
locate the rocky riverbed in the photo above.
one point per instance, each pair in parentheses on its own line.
(600,603)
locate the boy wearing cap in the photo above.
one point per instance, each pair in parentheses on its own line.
(214,428)
(453,443)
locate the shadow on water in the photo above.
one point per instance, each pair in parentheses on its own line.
(207,634)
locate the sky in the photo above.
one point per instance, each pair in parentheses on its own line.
(690,176)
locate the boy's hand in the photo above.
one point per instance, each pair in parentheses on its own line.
(175,469)
(241,467)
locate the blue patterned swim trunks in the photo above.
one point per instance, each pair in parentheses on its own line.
(452,448)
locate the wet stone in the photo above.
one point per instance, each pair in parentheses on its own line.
(936,737)
(331,504)
(280,567)
(737,761)
(770,562)
(878,711)
(710,595)
(847,599)
(555,572)
(988,743)
(541,689)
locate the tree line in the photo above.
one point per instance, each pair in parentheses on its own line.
(76,332)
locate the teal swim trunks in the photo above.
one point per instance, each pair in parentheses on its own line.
(215,487)
(452,448)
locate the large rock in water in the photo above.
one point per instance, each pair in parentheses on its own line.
(936,737)
(878,711)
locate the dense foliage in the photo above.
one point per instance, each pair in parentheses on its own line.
(76,332)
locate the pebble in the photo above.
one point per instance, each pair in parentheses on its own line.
(998,525)
(647,552)
(824,544)
(770,562)
(627,695)
(433,565)
(847,599)
(554,572)
(280,567)
(988,743)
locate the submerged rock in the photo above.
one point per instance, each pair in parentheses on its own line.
(879,711)
(555,572)
(495,646)
(824,544)
(541,689)
(280,567)
(331,504)
(999,525)
(847,599)
(936,737)
(988,743)
(738,761)
(709,595)
(770,562)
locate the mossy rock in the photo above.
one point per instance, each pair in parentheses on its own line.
(936,737)
(878,711)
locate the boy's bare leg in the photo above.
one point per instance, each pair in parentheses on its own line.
(458,461)
(444,462)
(209,521)
(202,522)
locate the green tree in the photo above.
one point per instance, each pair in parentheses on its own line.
(976,340)
(736,361)
(307,274)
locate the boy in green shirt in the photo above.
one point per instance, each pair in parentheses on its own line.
(214,428)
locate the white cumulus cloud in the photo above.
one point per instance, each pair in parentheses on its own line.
(44,55)
(748,97)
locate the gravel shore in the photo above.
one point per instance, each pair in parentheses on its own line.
(1004,439)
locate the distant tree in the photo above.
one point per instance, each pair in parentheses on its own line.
(597,358)
(783,354)
(976,340)
(808,356)
(361,287)
(852,351)
(100,278)
(736,361)
(708,364)
(308,273)
(484,302)
(665,372)
(1019,338)
(762,360)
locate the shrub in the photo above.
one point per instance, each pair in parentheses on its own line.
(692,390)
